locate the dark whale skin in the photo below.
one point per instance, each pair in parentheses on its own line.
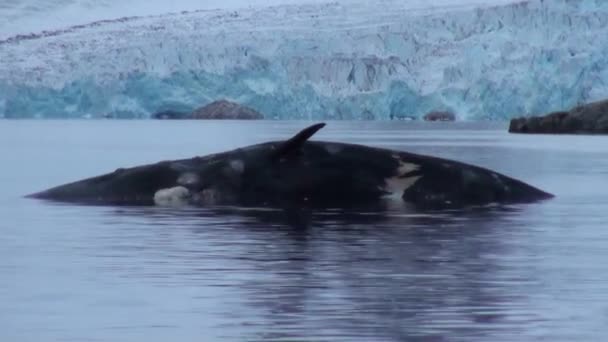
(292,172)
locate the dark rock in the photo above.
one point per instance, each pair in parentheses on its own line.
(170,115)
(223,109)
(437,115)
(591,118)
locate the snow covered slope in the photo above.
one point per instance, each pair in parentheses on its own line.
(342,60)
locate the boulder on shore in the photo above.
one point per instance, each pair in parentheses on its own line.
(590,118)
(437,115)
(224,109)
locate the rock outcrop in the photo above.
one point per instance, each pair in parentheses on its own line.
(224,109)
(591,118)
(437,115)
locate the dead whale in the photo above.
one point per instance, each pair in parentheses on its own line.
(300,172)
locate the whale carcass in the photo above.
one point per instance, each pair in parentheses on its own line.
(296,172)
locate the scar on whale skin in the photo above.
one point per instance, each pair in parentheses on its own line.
(188,178)
(237,165)
(395,186)
(175,196)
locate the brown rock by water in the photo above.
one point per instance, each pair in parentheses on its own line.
(224,109)
(439,116)
(591,118)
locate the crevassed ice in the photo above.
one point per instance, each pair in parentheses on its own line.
(362,60)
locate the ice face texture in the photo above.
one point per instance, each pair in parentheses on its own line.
(338,60)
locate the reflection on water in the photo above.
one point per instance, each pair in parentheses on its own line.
(392,277)
(522,272)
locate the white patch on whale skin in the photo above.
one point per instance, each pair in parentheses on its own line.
(237,165)
(405,167)
(396,185)
(333,149)
(188,178)
(175,196)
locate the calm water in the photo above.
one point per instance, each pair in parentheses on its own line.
(75,273)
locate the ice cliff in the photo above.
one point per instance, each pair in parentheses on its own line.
(361,60)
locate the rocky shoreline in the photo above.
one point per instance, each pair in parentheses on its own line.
(590,118)
(217,110)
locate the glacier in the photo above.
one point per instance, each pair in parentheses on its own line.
(320,60)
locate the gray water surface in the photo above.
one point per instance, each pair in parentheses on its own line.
(87,273)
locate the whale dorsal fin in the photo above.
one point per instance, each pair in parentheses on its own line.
(296,142)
